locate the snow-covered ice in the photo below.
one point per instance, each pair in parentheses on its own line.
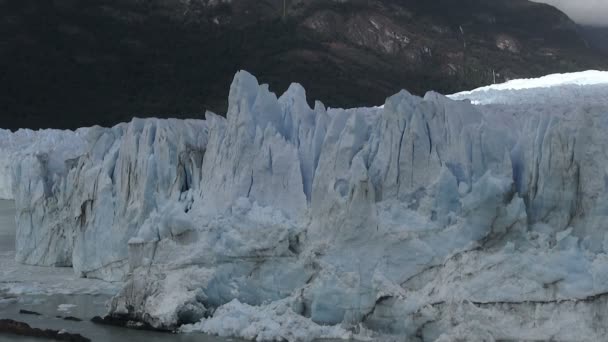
(557,90)
(584,78)
(429,218)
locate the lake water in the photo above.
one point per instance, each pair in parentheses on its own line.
(56,292)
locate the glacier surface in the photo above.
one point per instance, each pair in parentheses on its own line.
(428,218)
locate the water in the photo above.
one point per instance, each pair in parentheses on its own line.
(57,292)
(86,306)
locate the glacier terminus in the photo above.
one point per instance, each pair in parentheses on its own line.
(479,216)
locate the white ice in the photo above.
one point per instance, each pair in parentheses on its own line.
(426,218)
(56,145)
(274,322)
(556,90)
(65,307)
(585,78)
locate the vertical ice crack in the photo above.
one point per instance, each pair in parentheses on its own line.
(428,133)
(399,154)
(269,159)
(412,163)
(250,185)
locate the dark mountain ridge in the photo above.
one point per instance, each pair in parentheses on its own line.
(69,63)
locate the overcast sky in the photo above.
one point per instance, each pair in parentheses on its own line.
(594,12)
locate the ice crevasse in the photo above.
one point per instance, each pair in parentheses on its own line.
(430,218)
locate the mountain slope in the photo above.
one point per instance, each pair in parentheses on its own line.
(69,64)
(597,37)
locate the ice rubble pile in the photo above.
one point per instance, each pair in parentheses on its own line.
(429,217)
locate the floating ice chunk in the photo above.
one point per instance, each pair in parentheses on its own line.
(65,307)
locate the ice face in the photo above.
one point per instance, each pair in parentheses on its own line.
(290,197)
(422,217)
(81,209)
(53,145)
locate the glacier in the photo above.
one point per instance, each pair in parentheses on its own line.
(56,146)
(478,216)
(80,199)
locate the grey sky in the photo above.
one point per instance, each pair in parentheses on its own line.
(593,12)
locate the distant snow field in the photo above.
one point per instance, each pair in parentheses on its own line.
(478,216)
(574,89)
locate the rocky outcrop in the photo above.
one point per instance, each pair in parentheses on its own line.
(8,326)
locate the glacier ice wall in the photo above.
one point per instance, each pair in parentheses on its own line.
(6,180)
(429,217)
(61,145)
(80,209)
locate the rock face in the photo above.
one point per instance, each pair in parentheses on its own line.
(8,326)
(430,218)
(176,58)
(597,37)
